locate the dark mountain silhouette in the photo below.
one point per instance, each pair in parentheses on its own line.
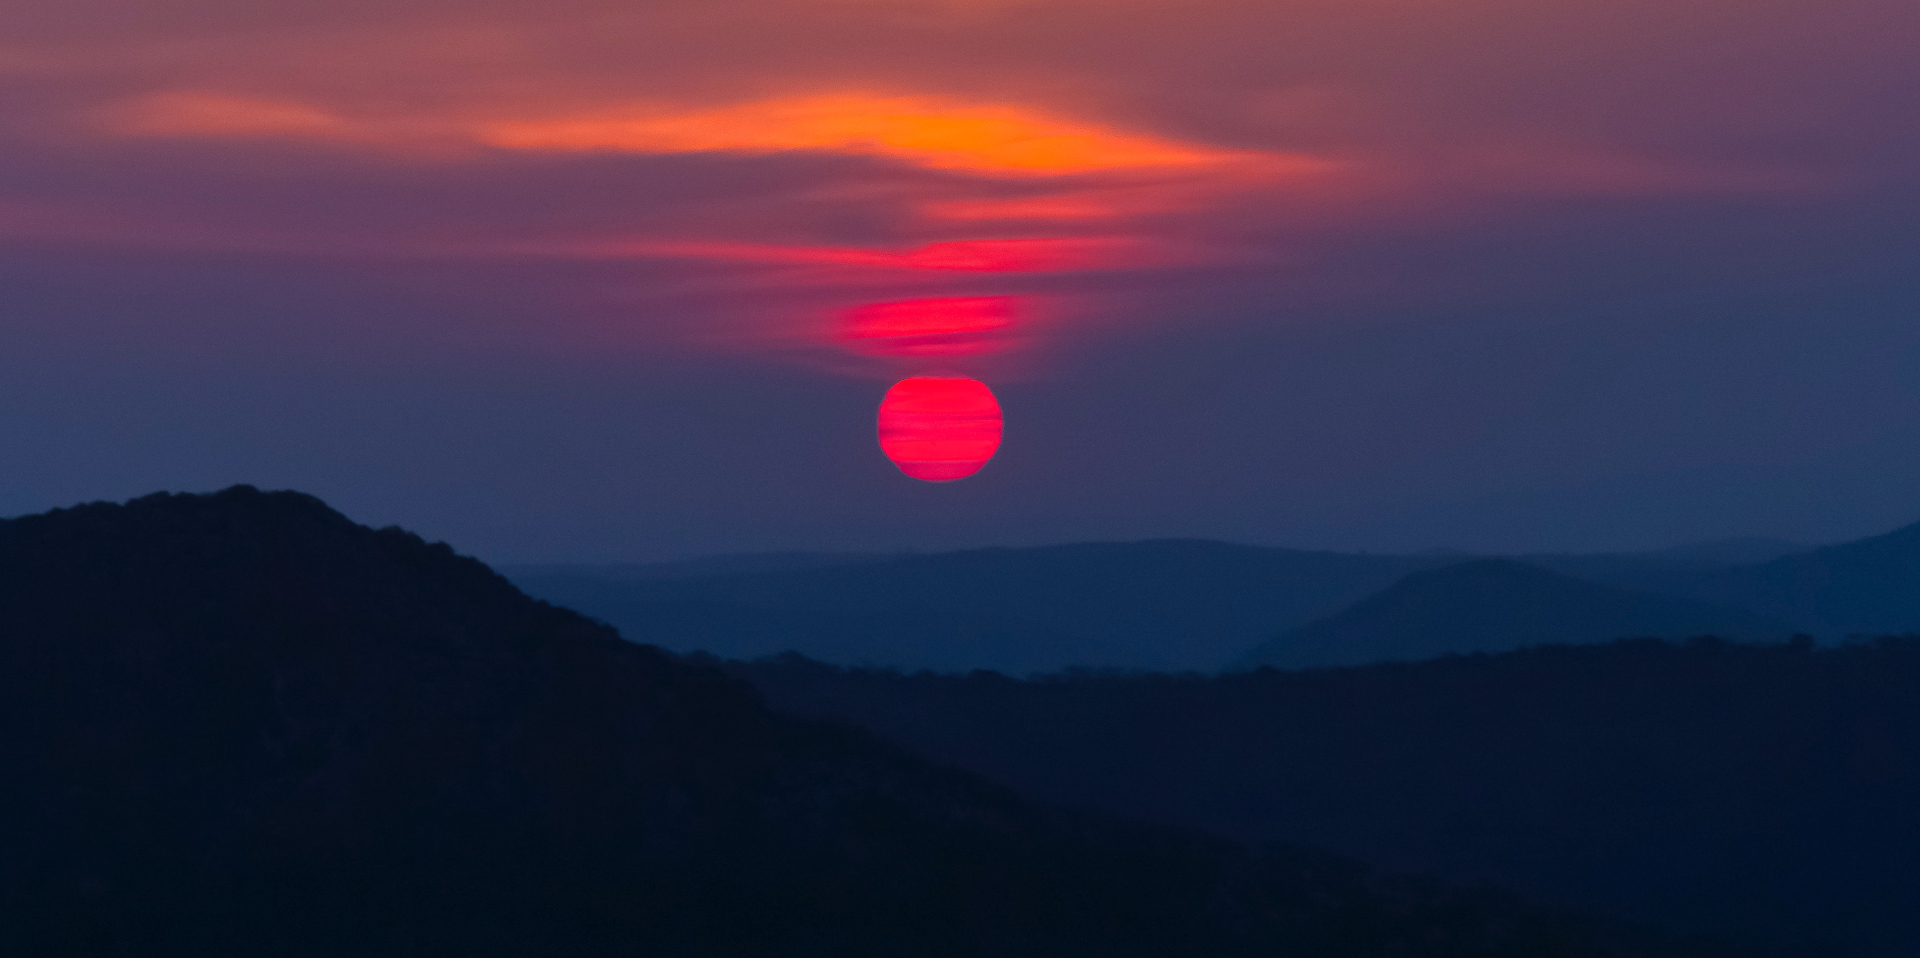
(1496,605)
(1764,792)
(239,724)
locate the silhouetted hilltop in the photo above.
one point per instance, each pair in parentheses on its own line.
(1767,792)
(1864,587)
(1496,605)
(240,724)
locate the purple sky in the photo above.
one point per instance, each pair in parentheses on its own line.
(586,280)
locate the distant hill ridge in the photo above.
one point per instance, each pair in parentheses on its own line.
(1867,586)
(1174,605)
(1162,604)
(1497,605)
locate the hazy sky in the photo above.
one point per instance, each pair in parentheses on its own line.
(587,279)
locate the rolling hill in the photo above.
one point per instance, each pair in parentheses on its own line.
(1869,586)
(1496,605)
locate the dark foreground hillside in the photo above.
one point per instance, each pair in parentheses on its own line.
(1770,793)
(240,724)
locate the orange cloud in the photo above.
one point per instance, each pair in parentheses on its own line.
(1143,196)
(933,133)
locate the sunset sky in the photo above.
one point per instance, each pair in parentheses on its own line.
(587,280)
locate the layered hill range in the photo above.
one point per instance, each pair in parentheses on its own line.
(1175,605)
(240,724)
(1761,792)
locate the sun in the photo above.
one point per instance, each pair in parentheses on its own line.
(939,428)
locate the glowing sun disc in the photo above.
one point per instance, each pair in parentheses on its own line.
(939,428)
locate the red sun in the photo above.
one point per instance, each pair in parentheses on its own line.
(939,428)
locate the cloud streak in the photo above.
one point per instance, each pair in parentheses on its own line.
(989,139)
(881,147)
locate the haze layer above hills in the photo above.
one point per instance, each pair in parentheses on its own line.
(240,724)
(1171,605)
(1176,605)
